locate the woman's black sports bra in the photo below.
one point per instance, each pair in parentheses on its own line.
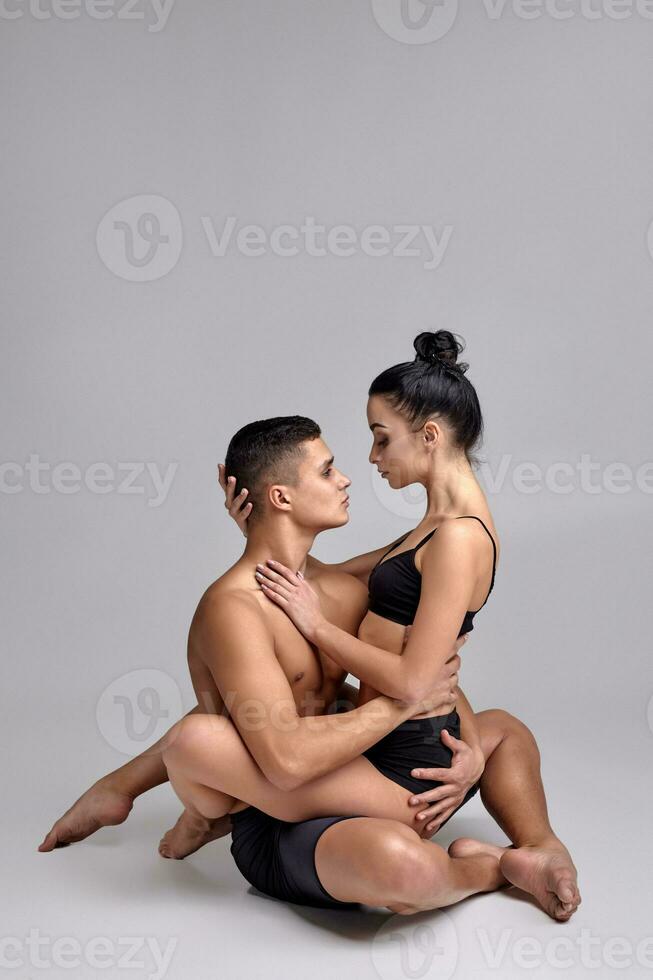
(395,585)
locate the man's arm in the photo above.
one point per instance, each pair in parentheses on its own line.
(291,750)
(469,731)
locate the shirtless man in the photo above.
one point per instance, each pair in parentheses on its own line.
(247,659)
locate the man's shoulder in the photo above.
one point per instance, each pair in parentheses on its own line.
(332,579)
(340,589)
(228,604)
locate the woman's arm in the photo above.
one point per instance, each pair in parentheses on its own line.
(449,572)
(240,508)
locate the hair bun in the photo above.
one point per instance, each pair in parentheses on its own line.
(441,347)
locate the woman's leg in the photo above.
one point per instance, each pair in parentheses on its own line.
(109,800)
(211,770)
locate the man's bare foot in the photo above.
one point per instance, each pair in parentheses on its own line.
(99,806)
(192,832)
(547,873)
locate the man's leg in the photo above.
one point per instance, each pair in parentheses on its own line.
(513,794)
(386,864)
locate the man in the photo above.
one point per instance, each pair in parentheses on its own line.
(243,653)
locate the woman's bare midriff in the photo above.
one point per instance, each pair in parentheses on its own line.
(383,633)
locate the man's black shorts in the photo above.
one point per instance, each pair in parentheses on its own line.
(278,858)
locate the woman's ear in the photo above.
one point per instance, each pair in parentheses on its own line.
(431,434)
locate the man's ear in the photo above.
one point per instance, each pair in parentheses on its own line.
(279,497)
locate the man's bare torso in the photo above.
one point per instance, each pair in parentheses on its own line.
(314,678)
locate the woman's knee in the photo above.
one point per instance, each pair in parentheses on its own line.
(190,736)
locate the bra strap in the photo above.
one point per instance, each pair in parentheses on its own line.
(494,549)
(424,540)
(391,548)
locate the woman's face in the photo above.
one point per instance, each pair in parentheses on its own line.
(397,451)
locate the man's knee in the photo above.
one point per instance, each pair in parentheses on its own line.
(503,724)
(407,873)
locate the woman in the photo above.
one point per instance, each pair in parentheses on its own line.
(426,420)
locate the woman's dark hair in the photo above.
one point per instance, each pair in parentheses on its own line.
(266,452)
(434,384)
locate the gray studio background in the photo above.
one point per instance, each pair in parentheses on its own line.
(524,143)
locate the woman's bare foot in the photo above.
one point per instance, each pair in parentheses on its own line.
(547,873)
(99,806)
(465,846)
(192,832)
(469,847)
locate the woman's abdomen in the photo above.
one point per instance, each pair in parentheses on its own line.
(383,633)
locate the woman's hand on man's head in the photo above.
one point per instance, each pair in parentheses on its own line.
(236,503)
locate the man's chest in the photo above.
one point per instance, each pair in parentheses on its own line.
(313,678)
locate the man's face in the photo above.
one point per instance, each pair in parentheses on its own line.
(319,499)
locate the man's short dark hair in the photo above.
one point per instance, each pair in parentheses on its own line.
(266,452)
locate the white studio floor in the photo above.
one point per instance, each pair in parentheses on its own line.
(208,922)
